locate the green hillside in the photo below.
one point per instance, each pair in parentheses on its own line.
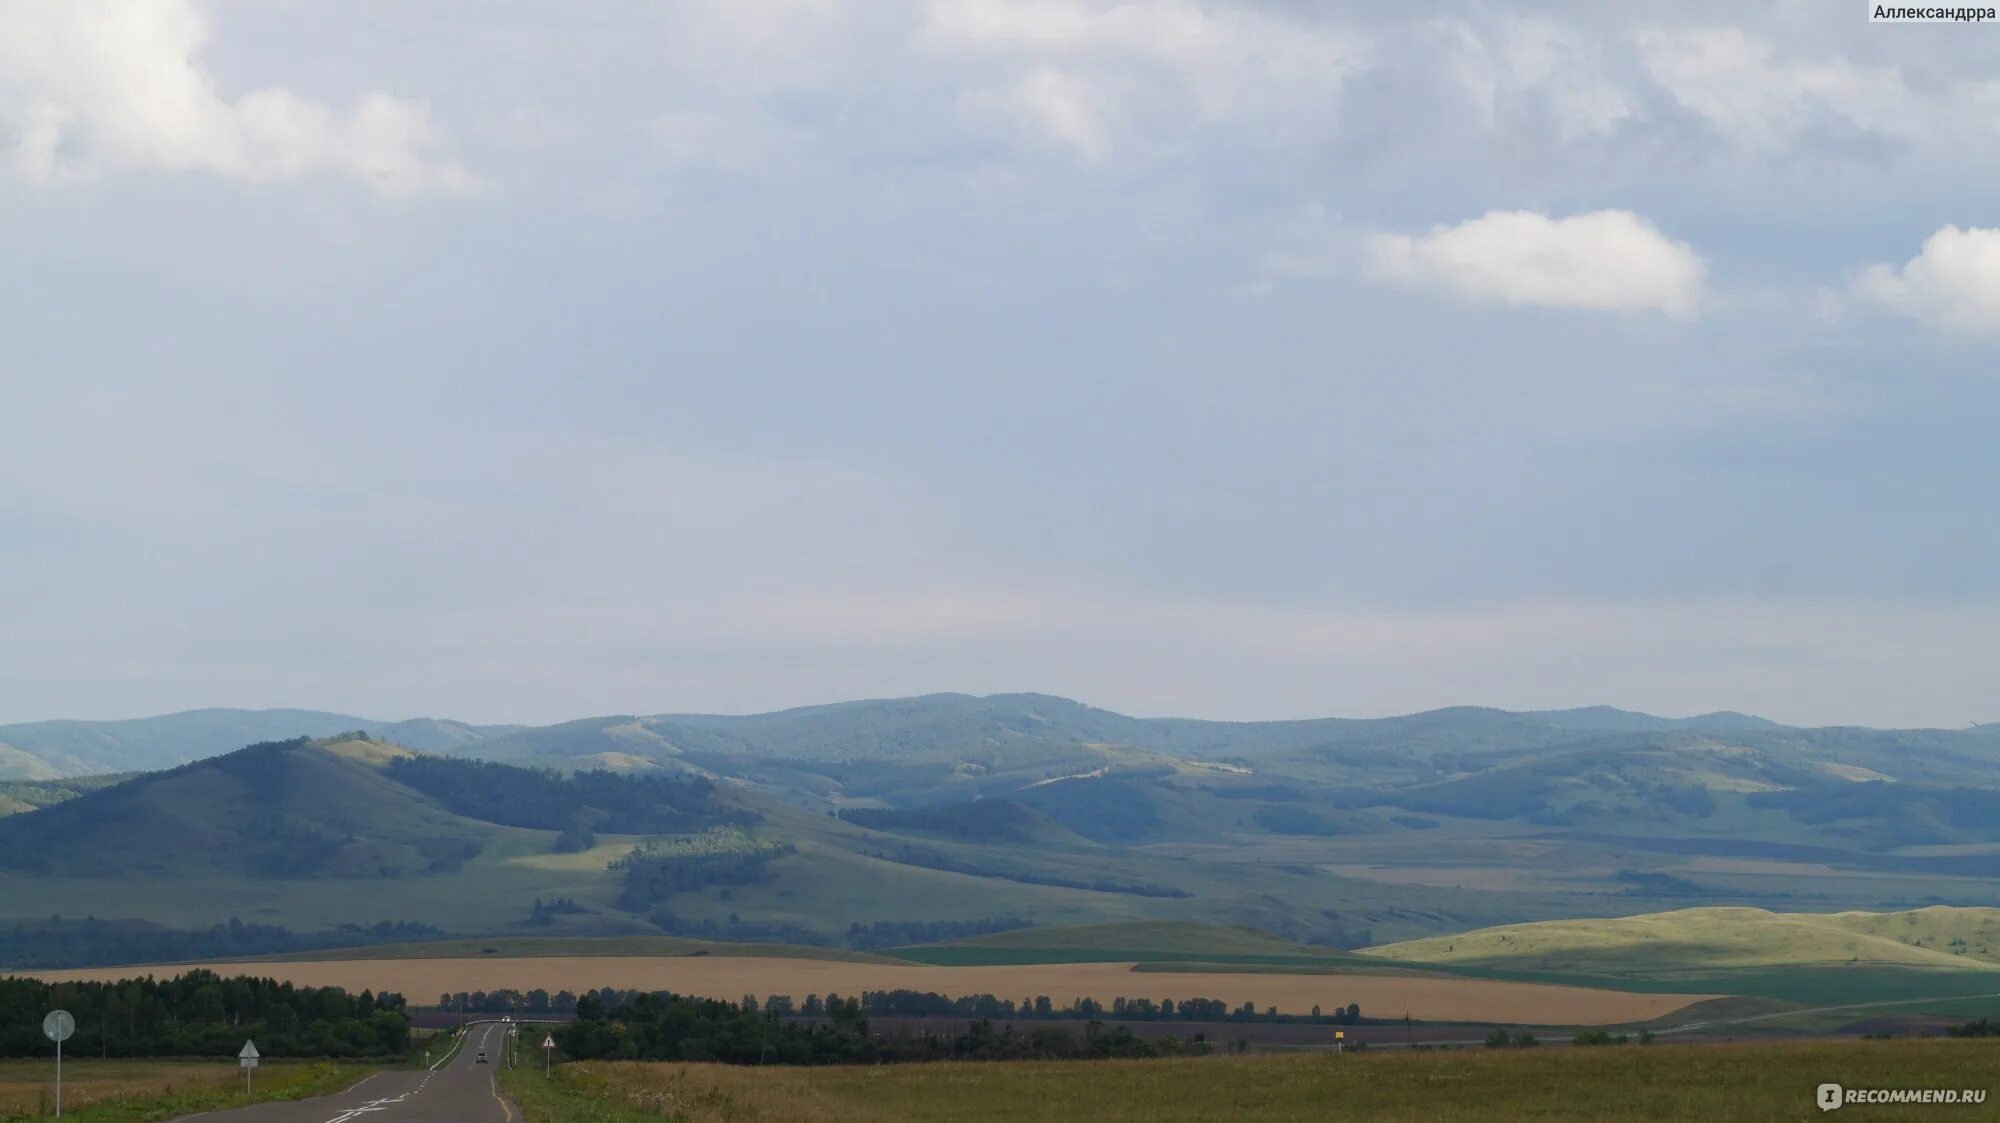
(1153,942)
(1693,940)
(275,810)
(28,795)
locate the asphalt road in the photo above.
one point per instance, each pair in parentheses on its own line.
(457,1090)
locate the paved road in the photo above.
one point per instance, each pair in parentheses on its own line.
(457,1090)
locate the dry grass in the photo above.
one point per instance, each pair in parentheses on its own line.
(1691,1083)
(27,1085)
(1712,938)
(1427,998)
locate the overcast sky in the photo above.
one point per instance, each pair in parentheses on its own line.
(516,362)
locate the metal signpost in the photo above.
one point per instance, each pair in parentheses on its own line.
(248,1059)
(1339,1040)
(548,1054)
(57,1027)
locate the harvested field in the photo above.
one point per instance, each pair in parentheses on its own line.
(28,1087)
(1426,998)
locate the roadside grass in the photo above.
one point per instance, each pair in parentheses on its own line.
(1692,1083)
(577,1093)
(140,1091)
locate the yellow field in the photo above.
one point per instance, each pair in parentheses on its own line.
(1711,938)
(1431,999)
(26,1086)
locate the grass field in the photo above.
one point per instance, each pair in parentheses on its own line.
(1382,995)
(97,1091)
(1702,940)
(1133,942)
(1695,1082)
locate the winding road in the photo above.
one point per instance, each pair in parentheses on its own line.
(456,1089)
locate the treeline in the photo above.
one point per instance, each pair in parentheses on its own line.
(510,1001)
(202,1014)
(932,860)
(738,930)
(667,1027)
(545,912)
(653,874)
(91,942)
(545,799)
(928,1004)
(601,1003)
(902,933)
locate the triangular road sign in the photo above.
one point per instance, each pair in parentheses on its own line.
(549,1042)
(249,1052)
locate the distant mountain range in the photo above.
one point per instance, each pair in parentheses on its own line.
(873,729)
(49,750)
(947,815)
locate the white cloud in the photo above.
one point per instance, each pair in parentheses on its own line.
(93,86)
(1610,260)
(1953,282)
(1085,74)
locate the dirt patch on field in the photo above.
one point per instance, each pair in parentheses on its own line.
(1429,999)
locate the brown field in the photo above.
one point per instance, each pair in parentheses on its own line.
(27,1085)
(1430,999)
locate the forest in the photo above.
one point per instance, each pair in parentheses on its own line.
(202,1014)
(901,1004)
(667,1027)
(545,799)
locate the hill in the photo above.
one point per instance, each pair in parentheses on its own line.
(910,821)
(278,809)
(1701,940)
(49,750)
(1137,941)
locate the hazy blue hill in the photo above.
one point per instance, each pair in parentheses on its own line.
(1610,719)
(76,748)
(961,725)
(54,749)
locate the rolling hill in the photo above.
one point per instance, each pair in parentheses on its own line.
(1702,940)
(50,750)
(279,809)
(918,820)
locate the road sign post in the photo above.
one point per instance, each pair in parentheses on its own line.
(1339,1040)
(548,1054)
(248,1059)
(57,1027)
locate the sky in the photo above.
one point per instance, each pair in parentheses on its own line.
(1223,358)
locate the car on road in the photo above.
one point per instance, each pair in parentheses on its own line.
(482,1057)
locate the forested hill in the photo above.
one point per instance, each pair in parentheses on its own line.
(341,808)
